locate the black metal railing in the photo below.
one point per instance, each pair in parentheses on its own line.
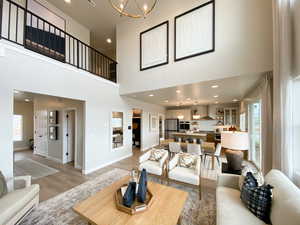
(23,27)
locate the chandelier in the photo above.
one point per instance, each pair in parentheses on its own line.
(134,8)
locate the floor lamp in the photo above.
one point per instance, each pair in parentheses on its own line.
(235,143)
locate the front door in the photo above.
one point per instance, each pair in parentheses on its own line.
(41,132)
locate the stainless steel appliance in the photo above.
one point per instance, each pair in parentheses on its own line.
(184,125)
(171,125)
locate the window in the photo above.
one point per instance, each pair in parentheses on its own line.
(296,138)
(117,129)
(18,128)
(255,132)
(243,122)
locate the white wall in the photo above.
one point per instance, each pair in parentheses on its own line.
(26,110)
(243,45)
(38,74)
(55,147)
(149,138)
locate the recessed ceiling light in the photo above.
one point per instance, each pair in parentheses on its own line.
(235,100)
(151,95)
(166,100)
(108,40)
(27,100)
(16,92)
(188,99)
(178,91)
(217,102)
(215,86)
(68,1)
(216,96)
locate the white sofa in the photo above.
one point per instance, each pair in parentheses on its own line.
(285,203)
(16,204)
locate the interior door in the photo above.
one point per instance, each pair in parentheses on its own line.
(70,135)
(41,132)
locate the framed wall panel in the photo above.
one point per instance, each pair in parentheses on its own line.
(154,46)
(194,32)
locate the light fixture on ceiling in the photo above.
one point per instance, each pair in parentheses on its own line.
(151,95)
(27,100)
(216,96)
(216,102)
(188,99)
(16,92)
(108,40)
(235,100)
(215,86)
(178,91)
(166,100)
(68,1)
(180,117)
(134,9)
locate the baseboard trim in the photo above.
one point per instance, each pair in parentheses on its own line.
(21,148)
(106,164)
(54,159)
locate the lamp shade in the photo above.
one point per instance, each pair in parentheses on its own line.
(235,140)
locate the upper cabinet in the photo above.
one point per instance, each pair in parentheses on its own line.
(230,116)
(181,114)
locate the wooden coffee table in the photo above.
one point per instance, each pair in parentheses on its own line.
(100,209)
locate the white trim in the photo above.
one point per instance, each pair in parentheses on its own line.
(106,164)
(22,148)
(27,52)
(54,159)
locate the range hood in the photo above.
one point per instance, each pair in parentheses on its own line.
(201,115)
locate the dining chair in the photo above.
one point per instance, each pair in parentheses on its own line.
(174,147)
(216,154)
(194,149)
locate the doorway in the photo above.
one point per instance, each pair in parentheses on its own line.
(70,136)
(137,129)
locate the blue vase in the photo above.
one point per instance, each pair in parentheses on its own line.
(129,196)
(142,189)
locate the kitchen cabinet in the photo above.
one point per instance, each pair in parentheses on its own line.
(230,116)
(181,114)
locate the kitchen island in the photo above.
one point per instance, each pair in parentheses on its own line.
(194,136)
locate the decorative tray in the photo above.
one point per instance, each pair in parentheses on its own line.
(136,207)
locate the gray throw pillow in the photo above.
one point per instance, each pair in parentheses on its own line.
(3,185)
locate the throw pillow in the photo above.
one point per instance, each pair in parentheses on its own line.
(187,160)
(257,199)
(3,185)
(156,154)
(257,174)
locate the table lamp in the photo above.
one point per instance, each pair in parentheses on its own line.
(235,143)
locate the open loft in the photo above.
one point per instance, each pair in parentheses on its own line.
(149,112)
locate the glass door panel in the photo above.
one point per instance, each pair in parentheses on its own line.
(255,132)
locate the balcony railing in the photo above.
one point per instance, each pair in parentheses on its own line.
(23,27)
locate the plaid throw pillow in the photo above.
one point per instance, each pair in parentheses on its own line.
(257,199)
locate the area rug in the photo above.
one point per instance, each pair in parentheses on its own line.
(34,169)
(58,210)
